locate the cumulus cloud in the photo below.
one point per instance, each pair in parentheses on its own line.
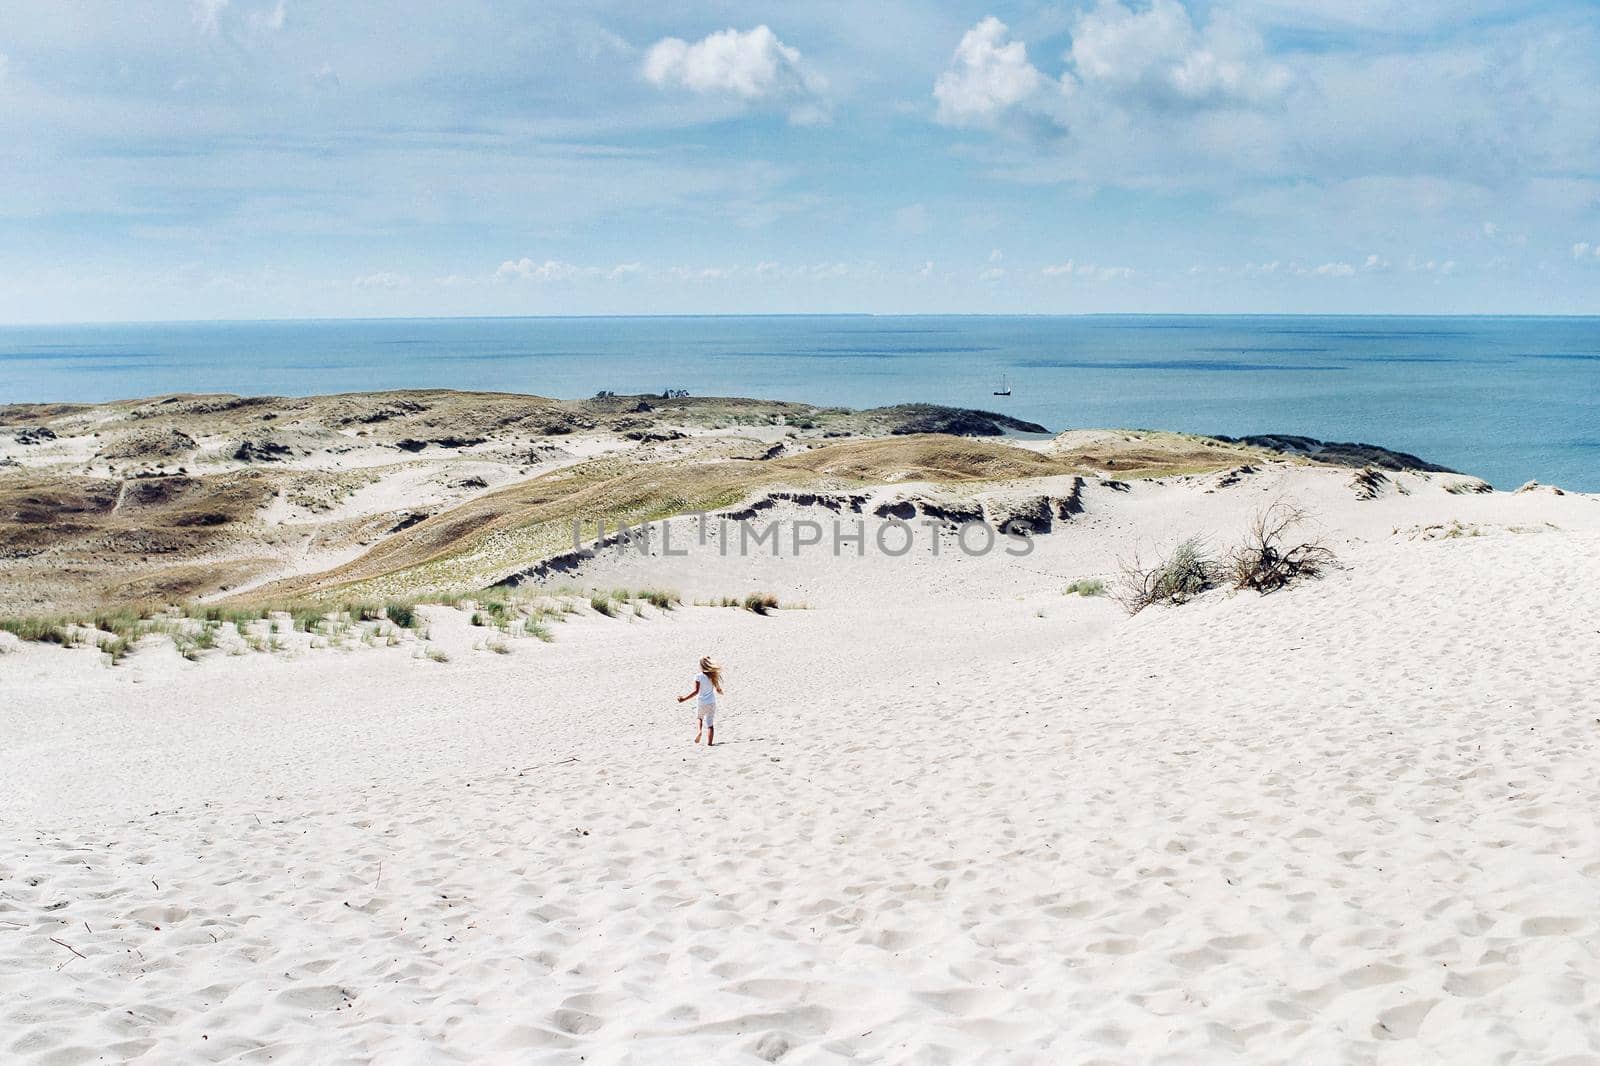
(1154,59)
(1088,271)
(549,270)
(1158,57)
(526,269)
(1584,250)
(987,77)
(1334,270)
(753,66)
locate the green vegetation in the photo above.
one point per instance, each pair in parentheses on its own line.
(756,602)
(238,616)
(41,630)
(305,618)
(401,614)
(194,629)
(1086,586)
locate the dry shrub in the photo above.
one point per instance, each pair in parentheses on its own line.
(1184,574)
(760,602)
(1268,561)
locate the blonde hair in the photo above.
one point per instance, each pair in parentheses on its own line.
(711,670)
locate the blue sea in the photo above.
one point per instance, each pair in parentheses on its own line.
(1507,399)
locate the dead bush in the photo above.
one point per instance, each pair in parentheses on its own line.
(1184,574)
(1267,560)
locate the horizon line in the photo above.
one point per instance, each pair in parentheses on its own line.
(644,316)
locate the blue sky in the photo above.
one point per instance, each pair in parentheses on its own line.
(279,158)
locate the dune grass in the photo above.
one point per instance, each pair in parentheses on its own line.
(760,602)
(194,629)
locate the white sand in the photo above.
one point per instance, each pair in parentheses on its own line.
(1352,822)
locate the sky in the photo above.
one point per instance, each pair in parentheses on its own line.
(221,159)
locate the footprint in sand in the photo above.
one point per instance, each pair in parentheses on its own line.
(1473,983)
(316,997)
(575,1022)
(1372,975)
(1402,1023)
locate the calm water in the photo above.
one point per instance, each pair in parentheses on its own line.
(1505,398)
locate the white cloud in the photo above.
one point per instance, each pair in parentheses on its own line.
(549,270)
(987,76)
(1376,264)
(752,66)
(557,270)
(1430,266)
(1334,270)
(1124,64)
(382,280)
(1159,57)
(1583,249)
(526,269)
(1088,271)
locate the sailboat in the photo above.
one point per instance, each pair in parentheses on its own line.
(1005,387)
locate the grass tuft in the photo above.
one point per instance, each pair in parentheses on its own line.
(660,598)
(401,613)
(760,602)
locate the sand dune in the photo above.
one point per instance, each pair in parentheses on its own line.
(954,821)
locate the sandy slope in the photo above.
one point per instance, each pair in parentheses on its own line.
(1351,822)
